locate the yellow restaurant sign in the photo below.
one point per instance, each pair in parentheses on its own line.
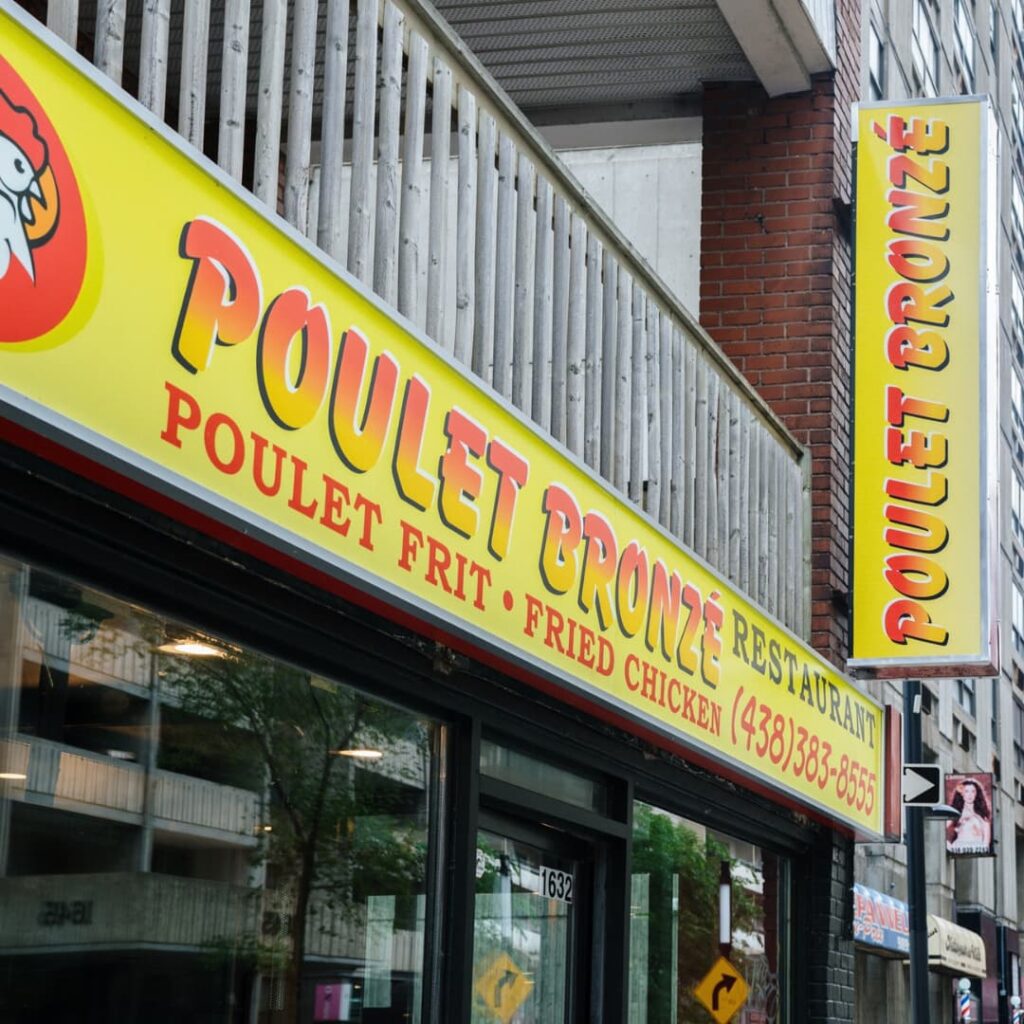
(924,393)
(214,355)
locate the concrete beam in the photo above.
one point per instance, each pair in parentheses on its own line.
(781,41)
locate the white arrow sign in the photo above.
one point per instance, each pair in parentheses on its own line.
(922,785)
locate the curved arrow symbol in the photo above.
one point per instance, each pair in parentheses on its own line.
(509,978)
(727,982)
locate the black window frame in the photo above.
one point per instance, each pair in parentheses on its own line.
(123,539)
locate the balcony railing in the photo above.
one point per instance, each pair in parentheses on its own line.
(482,239)
(56,775)
(126,911)
(88,648)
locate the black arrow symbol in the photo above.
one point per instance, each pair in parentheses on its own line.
(727,982)
(509,978)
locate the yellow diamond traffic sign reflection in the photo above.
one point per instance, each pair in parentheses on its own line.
(502,987)
(722,991)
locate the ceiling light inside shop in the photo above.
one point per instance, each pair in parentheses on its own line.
(13,776)
(191,649)
(361,754)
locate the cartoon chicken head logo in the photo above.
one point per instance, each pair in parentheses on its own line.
(42,222)
(23,162)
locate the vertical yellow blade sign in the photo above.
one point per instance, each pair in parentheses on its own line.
(925,400)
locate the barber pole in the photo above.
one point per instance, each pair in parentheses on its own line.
(965,1007)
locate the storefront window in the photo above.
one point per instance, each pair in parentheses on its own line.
(674,926)
(191,830)
(519,769)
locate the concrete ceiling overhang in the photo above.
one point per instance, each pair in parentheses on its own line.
(589,59)
(612,53)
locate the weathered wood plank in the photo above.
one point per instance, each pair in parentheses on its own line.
(234,72)
(62,19)
(754,507)
(526,247)
(559,317)
(313,204)
(706,470)
(638,388)
(792,555)
(702,421)
(331,219)
(724,465)
(411,226)
(360,217)
(465,247)
(437,245)
(109,52)
(773,529)
(623,381)
(385,249)
(667,432)
(743,503)
(653,426)
(784,565)
(779,514)
(764,503)
(486,215)
(735,478)
(543,299)
(575,347)
(609,370)
(192,87)
(680,434)
(504,266)
(689,434)
(720,468)
(300,114)
(270,101)
(594,367)
(156,31)
(802,539)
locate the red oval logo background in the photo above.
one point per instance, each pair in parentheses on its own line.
(42,222)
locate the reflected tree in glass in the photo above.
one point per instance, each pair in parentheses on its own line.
(337,831)
(675,886)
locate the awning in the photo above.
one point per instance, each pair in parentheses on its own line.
(955,950)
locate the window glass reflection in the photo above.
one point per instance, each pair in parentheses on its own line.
(674,920)
(523,932)
(190,830)
(528,772)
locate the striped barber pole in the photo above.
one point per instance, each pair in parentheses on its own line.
(965,1006)
(1017,1017)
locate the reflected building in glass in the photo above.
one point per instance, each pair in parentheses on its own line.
(674,919)
(188,827)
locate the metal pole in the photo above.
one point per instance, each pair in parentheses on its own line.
(917,898)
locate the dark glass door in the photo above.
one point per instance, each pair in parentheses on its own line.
(531,924)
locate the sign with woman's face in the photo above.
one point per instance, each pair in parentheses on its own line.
(970,834)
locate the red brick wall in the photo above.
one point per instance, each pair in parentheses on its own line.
(775,283)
